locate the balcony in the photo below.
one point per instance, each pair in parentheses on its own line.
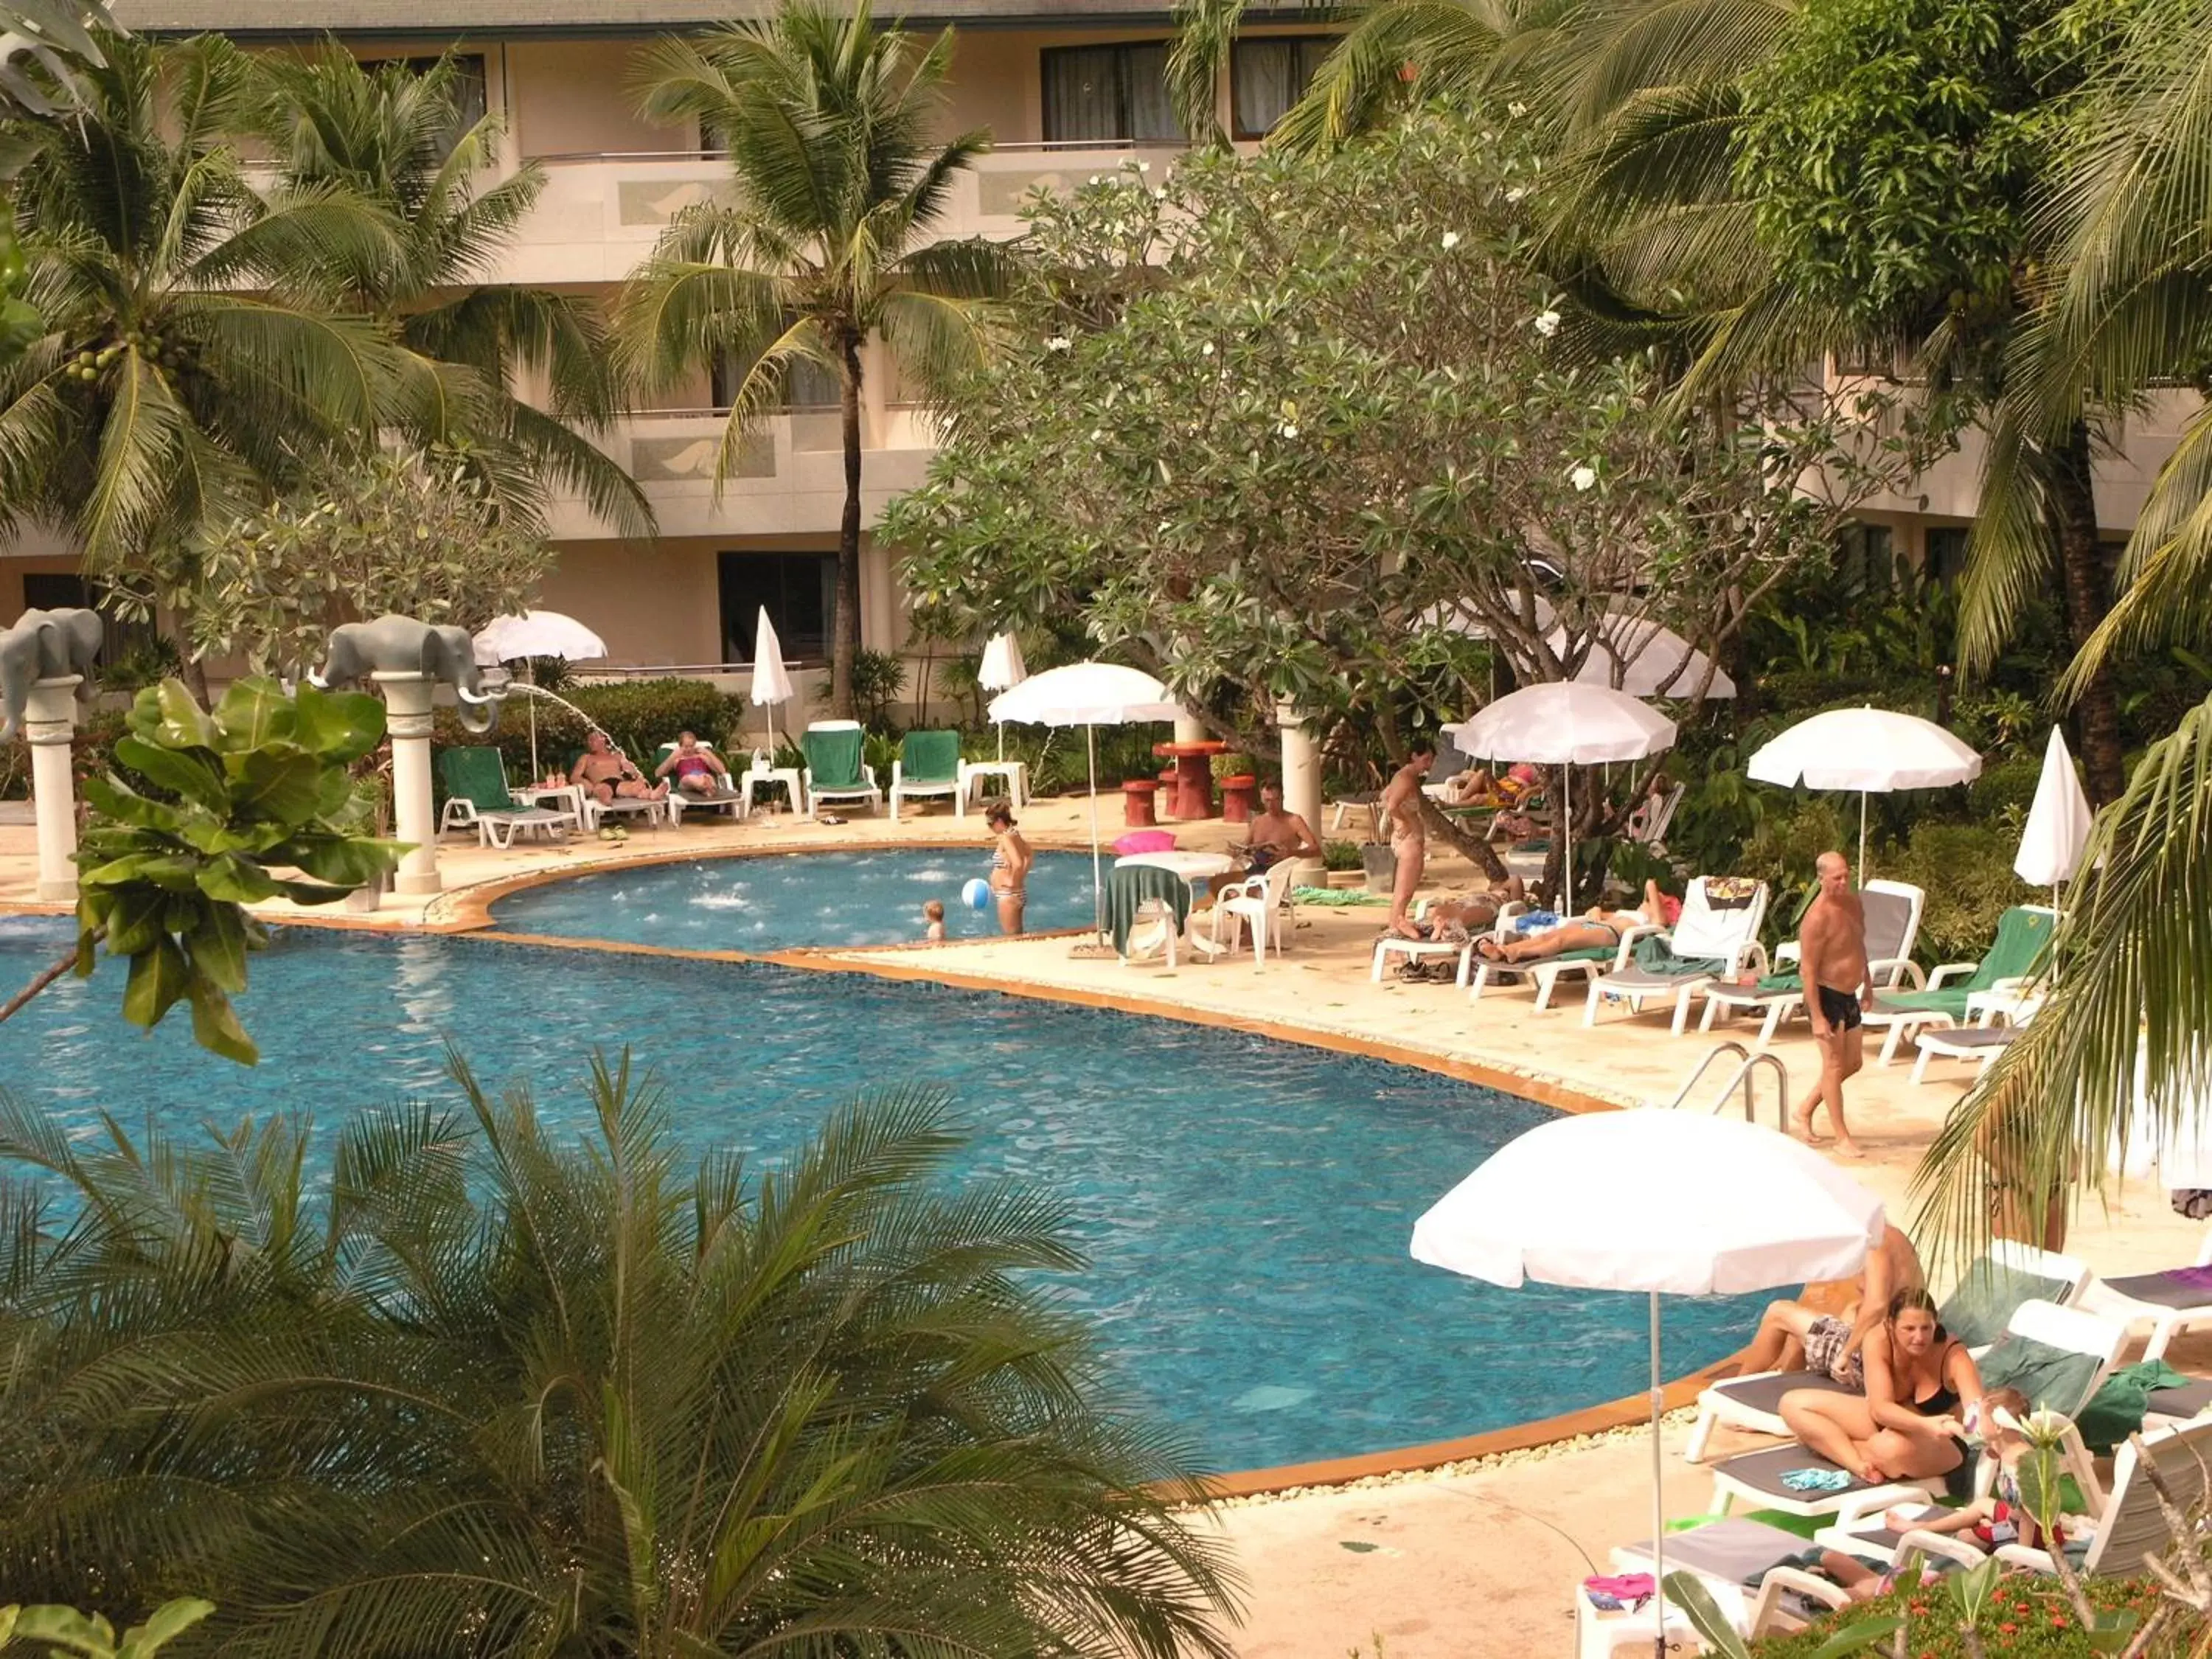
(599,215)
(789,479)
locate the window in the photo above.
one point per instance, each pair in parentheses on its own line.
(1268,75)
(1866,559)
(808,384)
(1947,554)
(799,590)
(1109,96)
(467,87)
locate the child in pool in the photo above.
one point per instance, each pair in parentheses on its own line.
(934,914)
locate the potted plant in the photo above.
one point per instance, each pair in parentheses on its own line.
(1380,862)
(1341,859)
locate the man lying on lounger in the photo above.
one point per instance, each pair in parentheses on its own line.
(1597,928)
(1455,921)
(606,772)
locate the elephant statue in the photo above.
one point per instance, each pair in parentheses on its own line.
(401,645)
(43,645)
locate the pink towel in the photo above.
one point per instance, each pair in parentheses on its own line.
(1145,841)
(1626,1587)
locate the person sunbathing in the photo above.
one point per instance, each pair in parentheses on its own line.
(698,771)
(1479,787)
(1597,928)
(1457,920)
(606,772)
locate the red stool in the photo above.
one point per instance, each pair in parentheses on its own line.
(1137,803)
(1236,793)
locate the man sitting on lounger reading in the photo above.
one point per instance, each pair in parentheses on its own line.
(606,772)
(698,771)
(1597,928)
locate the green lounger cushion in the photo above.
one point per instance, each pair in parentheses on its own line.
(1979,1309)
(478,776)
(834,757)
(2055,1379)
(2023,935)
(930,757)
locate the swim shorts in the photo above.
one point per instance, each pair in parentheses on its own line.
(1839,1008)
(1824,1351)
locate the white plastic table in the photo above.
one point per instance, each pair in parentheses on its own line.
(566,798)
(1598,1635)
(788,776)
(1016,773)
(1191,867)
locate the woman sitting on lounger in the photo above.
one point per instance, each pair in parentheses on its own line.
(1910,1425)
(1598,929)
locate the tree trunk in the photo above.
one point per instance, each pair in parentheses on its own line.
(2082,575)
(845,620)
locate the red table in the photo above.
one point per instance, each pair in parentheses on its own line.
(1193,793)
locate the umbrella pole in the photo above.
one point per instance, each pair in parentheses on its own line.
(1097,880)
(1862,809)
(1658,1505)
(1567,836)
(530,673)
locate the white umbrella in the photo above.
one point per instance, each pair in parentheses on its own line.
(1665,1203)
(1873,750)
(771,679)
(536,633)
(1565,723)
(1088,694)
(2058,823)
(1659,662)
(1003,669)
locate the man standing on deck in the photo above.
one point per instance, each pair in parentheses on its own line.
(1833,963)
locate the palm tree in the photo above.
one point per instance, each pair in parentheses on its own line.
(41,42)
(838,180)
(492,1395)
(391,136)
(187,366)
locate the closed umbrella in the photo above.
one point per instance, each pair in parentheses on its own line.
(771,679)
(536,633)
(1672,1203)
(1002,670)
(1088,694)
(1873,750)
(1565,723)
(2058,822)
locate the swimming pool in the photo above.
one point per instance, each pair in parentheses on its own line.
(773,901)
(1246,1203)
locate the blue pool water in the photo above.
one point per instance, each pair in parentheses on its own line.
(769,904)
(1246,1203)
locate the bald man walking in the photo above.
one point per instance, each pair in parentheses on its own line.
(1833,963)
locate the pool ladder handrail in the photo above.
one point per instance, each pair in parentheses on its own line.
(1747,1064)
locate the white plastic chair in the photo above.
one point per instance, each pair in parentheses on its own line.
(1704,931)
(1262,904)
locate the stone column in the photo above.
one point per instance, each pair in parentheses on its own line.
(407,719)
(49,718)
(1190,730)
(1301,771)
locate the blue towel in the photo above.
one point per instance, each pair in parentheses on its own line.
(1815,1479)
(1529,921)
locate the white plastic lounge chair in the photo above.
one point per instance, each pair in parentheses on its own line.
(2058,1356)
(2133,1524)
(1893,909)
(1713,930)
(1727,1556)
(835,769)
(2171,1302)
(726,797)
(1423,950)
(1977,1045)
(929,763)
(1262,904)
(2016,953)
(478,797)
(1545,973)
(1988,1294)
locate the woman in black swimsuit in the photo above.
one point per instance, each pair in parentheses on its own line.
(1907,1426)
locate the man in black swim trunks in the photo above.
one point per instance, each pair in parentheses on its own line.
(1832,961)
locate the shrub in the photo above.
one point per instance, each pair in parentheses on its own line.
(878,677)
(1340,856)
(640,715)
(1967,870)
(2005,786)
(2026,1618)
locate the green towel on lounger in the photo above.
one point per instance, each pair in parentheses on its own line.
(1775,985)
(835,757)
(1655,957)
(2116,1411)
(1128,887)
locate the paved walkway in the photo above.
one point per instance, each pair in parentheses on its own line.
(1470,1563)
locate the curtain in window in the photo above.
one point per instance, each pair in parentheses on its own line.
(1152,111)
(1082,95)
(1260,77)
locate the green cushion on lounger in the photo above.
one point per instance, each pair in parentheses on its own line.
(477,774)
(1655,957)
(834,759)
(1987,1296)
(1775,985)
(2055,1379)
(2022,937)
(930,757)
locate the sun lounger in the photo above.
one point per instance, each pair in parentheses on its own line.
(2134,1524)
(929,765)
(1978,1045)
(653,808)
(2058,1356)
(2170,1302)
(1728,1558)
(1716,937)
(1976,1312)
(2023,935)
(835,769)
(1893,926)
(1545,974)
(478,797)
(724,797)
(2166,1406)
(1423,950)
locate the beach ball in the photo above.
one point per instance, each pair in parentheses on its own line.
(977,893)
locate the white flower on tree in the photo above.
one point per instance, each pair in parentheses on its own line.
(1547,323)
(1451,240)
(1059,342)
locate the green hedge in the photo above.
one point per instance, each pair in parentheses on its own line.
(640,715)
(1967,870)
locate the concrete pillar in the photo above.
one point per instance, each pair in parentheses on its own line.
(407,719)
(1188,730)
(49,718)
(1301,768)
